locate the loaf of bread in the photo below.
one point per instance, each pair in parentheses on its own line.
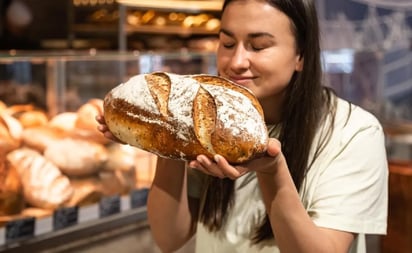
(44,186)
(182,116)
(76,157)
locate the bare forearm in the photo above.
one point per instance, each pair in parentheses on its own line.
(168,207)
(294,230)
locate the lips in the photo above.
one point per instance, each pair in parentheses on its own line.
(241,80)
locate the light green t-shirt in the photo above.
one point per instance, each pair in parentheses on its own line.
(345,189)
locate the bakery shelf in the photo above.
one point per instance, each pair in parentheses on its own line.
(92,28)
(107,22)
(185,5)
(177,30)
(74,236)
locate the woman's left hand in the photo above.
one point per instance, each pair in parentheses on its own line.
(219,167)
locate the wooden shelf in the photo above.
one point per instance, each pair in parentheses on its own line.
(91,28)
(187,5)
(153,29)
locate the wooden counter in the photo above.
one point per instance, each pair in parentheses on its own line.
(399,236)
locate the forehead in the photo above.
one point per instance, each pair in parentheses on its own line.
(254,15)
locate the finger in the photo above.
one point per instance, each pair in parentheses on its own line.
(99,118)
(102,128)
(210,167)
(195,165)
(227,169)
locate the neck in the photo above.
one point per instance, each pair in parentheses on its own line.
(272,108)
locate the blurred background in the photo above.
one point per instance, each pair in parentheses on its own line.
(58,58)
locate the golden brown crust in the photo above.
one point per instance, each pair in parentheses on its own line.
(180,117)
(204,119)
(217,80)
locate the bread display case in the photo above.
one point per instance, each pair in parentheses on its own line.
(146,25)
(59,174)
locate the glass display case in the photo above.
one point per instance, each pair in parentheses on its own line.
(64,81)
(61,85)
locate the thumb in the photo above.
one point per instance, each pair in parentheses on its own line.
(274,147)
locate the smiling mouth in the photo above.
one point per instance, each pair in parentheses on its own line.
(242,80)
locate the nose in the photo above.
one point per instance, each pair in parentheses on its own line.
(240,59)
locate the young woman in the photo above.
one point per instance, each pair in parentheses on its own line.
(322,185)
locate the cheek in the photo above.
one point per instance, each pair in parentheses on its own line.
(222,60)
(274,80)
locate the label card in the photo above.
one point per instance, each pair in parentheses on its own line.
(109,205)
(65,217)
(138,197)
(20,229)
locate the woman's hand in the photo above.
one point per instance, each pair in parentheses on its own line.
(222,169)
(102,127)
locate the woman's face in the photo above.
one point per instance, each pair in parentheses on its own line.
(257,48)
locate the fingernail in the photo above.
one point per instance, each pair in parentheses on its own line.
(216,158)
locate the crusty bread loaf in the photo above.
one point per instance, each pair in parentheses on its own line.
(39,138)
(180,117)
(76,157)
(44,186)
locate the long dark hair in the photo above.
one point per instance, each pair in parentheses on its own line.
(306,106)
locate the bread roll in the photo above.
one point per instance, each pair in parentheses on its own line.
(86,124)
(10,133)
(33,118)
(65,121)
(87,113)
(121,157)
(86,191)
(44,186)
(76,157)
(39,138)
(180,117)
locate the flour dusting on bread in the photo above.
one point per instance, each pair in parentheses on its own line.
(182,116)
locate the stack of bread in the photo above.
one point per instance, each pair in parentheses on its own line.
(51,162)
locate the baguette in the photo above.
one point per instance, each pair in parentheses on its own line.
(182,116)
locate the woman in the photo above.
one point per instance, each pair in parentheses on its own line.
(323,184)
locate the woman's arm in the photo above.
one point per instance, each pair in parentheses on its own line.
(293,228)
(172,216)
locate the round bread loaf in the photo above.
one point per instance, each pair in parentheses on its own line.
(182,116)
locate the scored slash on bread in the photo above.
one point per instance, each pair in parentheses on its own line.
(159,87)
(182,116)
(204,120)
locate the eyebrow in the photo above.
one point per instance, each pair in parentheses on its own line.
(251,35)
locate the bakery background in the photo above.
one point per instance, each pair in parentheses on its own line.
(59,58)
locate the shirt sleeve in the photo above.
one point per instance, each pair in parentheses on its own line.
(351,192)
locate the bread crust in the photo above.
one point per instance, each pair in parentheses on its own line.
(182,116)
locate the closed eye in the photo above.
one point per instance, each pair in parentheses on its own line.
(231,45)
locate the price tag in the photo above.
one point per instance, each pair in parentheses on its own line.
(138,197)
(109,205)
(20,229)
(65,217)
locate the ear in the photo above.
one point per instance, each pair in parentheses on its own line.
(299,63)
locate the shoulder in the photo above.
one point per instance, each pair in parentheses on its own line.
(351,120)
(354,131)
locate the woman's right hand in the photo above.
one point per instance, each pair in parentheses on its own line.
(102,127)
